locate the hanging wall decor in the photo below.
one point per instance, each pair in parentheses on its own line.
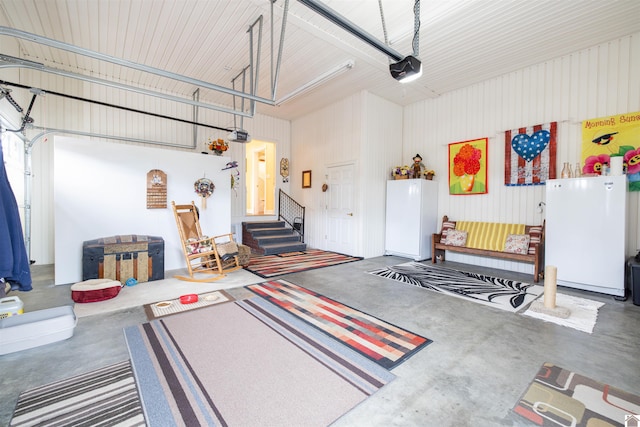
(235,175)
(156,189)
(284,169)
(530,154)
(605,138)
(204,188)
(468,167)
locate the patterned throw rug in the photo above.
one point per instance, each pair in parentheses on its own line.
(246,363)
(106,397)
(165,308)
(496,292)
(382,342)
(276,265)
(558,397)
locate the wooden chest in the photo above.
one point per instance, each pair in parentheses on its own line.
(122,257)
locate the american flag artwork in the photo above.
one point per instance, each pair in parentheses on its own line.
(530,154)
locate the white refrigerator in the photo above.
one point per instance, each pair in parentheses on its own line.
(411,217)
(585,232)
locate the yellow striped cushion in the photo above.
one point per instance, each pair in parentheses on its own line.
(488,235)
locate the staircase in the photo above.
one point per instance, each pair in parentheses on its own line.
(271,237)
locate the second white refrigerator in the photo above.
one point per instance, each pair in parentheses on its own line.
(412,217)
(585,232)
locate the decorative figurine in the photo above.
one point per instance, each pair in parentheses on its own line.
(417,166)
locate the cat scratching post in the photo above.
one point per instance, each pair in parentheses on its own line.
(549,305)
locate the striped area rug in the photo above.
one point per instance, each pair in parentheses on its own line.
(104,397)
(385,344)
(268,266)
(252,365)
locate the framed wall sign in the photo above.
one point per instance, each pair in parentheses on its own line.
(306,179)
(156,189)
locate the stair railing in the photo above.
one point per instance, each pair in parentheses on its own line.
(292,213)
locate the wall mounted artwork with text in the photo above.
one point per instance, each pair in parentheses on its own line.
(611,136)
(156,189)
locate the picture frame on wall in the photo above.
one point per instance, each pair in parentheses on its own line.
(468,167)
(306,179)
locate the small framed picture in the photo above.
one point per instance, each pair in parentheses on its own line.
(306,179)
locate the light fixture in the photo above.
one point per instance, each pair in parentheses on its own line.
(406,69)
(323,78)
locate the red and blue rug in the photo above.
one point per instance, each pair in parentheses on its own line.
(386,344)
(269,266)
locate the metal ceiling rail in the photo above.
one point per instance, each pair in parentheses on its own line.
(7,61)
(342,22)
(106,104)
(6,31)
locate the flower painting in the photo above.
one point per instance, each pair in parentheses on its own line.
(468,167)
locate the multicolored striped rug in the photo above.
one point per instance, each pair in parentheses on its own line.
(246,363)
(106,397)
(386,344)
(268,266)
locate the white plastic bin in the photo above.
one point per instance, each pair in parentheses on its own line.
(10,306)
(36,328)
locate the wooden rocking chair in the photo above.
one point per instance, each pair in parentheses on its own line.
(214,256)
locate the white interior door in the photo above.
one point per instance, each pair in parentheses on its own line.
(340,233)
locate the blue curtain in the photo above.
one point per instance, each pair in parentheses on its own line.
(14,261)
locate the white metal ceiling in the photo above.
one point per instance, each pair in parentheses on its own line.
(462,42)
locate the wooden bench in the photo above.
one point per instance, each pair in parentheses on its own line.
(488,239)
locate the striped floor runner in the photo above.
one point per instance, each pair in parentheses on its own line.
(104,397)
(382,342)
(268,266)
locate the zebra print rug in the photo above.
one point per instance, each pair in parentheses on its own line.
(496,292)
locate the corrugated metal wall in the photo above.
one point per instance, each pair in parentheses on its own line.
(596,82)
(592,83)
(362,129)
(600,81)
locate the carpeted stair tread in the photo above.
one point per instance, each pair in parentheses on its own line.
(271,237)
(279,248)
(263,224)
(282,238)
(270,231)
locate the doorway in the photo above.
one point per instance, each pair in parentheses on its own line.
(340,209)
(260,177)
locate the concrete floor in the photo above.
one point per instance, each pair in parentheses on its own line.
(481,361)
